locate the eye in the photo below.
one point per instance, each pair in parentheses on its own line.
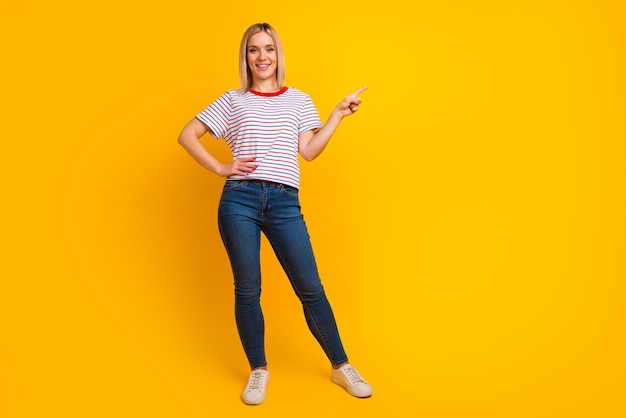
(252,50)
(270,49)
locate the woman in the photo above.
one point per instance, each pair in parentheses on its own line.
(266,125)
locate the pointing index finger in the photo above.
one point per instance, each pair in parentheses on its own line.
(359,91)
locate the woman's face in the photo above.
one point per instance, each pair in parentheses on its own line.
(261,56)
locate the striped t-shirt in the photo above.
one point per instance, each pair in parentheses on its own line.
(265,126)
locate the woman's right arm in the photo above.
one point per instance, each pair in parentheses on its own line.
(189,138)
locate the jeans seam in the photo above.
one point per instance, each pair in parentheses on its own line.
(325,345)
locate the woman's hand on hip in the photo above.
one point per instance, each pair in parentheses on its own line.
(241,167)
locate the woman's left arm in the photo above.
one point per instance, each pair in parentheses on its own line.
(312,143)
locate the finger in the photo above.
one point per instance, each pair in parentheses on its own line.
(237,168)
(244,171)
(359,91)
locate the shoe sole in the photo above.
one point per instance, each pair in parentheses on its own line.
(353,393)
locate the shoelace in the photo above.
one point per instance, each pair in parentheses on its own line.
(353,375)
(256,380)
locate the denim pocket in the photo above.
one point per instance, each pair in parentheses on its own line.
(234,185)
(288,190)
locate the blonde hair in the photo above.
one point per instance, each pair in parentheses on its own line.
(245,76)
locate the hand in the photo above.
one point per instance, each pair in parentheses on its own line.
(242,167)
(350,104)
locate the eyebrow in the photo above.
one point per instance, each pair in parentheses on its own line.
(255,46)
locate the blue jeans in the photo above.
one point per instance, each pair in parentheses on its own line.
(247,208)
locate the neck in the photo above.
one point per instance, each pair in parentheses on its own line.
(265,86)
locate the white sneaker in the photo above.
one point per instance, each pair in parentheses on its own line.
(254,393)
(351,380)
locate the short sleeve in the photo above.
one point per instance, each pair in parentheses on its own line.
(217,115)
(310,117)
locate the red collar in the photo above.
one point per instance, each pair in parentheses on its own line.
(276,93)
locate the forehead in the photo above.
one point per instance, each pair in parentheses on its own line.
(261,38)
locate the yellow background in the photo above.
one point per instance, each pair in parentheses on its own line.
(468,221)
